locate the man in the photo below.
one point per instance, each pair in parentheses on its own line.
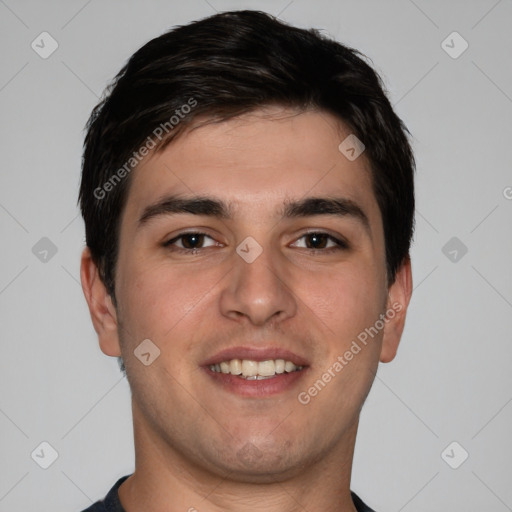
(248,199)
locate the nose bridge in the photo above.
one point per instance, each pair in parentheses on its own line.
(257,287)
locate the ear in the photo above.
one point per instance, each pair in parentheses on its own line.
(399,295)
(101,307)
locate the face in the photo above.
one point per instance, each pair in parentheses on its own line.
(279,262)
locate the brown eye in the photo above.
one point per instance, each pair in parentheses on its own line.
(320,241)
(316,240)
(190,242)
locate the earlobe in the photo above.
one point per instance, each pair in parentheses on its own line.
(399,296)
(102,310)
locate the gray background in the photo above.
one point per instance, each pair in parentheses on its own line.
(451,380)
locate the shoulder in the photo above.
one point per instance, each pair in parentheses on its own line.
(111,502)
(359,504)
(99,506)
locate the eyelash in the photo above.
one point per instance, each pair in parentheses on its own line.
(340,244)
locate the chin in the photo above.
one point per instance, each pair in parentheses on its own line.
(259,462)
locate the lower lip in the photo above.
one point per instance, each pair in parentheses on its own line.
(256,388)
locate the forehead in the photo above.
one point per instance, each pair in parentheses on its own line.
(257,159)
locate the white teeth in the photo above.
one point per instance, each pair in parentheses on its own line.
(235,367)
(249,368)
(279,364)
(289,366)
(266,368)
(254,370)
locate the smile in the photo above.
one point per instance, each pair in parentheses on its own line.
(255,370)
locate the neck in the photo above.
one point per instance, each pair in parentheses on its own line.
(165,480)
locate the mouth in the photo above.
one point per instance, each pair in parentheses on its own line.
(255,372)
(249,369)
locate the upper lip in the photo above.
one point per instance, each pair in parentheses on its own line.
(255,354)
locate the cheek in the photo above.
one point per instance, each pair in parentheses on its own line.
(346,299)
(159,297)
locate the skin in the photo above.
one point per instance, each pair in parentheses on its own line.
(198,445)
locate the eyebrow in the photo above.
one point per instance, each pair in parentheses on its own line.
(211,207)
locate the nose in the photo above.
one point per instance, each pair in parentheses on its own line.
(259,291)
